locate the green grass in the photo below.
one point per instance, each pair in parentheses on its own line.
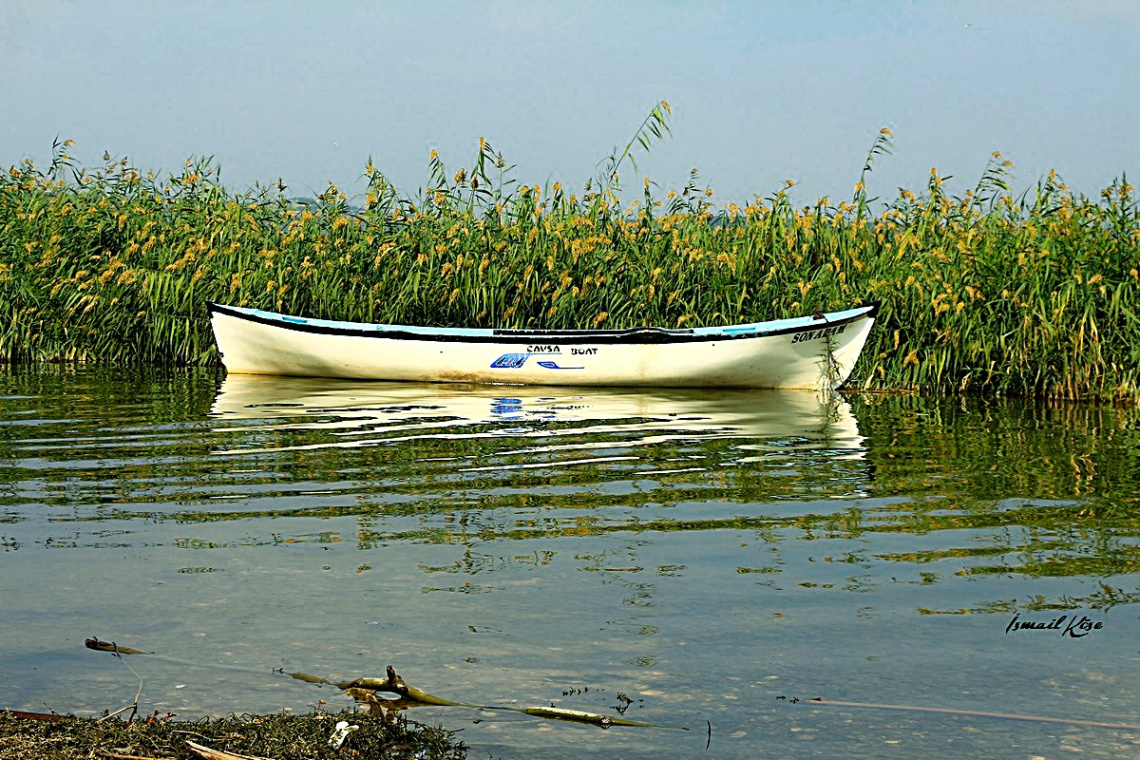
(1036,294)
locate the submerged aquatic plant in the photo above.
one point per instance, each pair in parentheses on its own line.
(1034,294)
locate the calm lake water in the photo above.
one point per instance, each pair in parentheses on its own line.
(711,556)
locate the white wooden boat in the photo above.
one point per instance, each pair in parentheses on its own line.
(803,352)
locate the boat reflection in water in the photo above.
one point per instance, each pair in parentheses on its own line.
(361,413)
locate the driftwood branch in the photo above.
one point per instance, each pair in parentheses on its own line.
(49,717)
(365,689)
(109,646)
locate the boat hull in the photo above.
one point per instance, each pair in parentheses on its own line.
(795,353)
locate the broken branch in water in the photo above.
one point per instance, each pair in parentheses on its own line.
(310,679)
(109,646)
(364,690)
(393,684)
(578,716)
(115,649)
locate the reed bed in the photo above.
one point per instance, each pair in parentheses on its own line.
(988,292)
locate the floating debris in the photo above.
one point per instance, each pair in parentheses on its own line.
(341,732)
(110,646)
(365,690)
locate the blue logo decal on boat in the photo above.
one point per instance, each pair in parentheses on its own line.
(554,365)
(510,361)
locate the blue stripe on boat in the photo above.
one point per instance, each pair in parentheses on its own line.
(633,335)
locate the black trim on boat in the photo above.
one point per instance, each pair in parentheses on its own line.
(639,335)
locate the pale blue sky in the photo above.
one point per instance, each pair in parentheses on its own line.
(761,91)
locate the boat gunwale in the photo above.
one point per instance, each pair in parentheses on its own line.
(631,336)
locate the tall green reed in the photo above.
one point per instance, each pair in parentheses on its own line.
(1034,294)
